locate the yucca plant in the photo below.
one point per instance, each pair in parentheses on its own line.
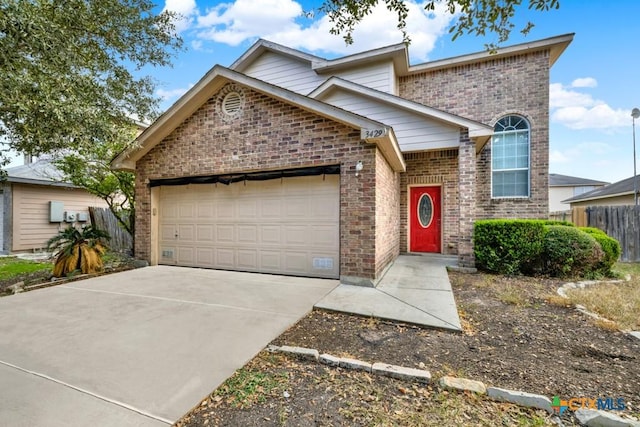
(78,249)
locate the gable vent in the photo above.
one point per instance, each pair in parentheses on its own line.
(232,103)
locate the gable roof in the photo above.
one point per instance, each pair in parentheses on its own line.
(557,180)
(399,55)
(477,130)
(40,172)
(216,78)
(620,188)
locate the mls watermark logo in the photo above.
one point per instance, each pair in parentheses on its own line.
(573,404)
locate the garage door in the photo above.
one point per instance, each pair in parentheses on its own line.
(283,226)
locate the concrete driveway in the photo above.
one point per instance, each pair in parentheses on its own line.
(138,348)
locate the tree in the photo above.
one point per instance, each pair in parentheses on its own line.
(65,79)
(89,167)
(477,17)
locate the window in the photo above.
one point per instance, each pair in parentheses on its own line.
(510,158)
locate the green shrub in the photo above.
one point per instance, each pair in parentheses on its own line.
(610,247)
(570,252)
(508,246)
(558,222)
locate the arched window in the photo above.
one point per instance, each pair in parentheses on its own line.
(510,158)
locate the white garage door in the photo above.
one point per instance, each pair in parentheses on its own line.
(283,226)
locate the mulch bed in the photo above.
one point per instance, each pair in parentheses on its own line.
(513,338)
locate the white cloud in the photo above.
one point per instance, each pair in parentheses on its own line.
(578,110)
(167,95)
(281,21)
(187,9)
(584,82)
(557,156)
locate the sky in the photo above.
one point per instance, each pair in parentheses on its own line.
(593,87)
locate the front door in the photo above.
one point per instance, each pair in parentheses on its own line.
(424,219)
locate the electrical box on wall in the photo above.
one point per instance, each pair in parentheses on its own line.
(56,211)
(82,217)
(69,216)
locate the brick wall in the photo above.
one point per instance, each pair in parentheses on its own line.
(485,92)
(387,214)
(433,168)
(269,134)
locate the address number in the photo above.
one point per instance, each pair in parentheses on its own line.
(374,133)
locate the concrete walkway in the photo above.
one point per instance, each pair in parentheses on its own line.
(415,289)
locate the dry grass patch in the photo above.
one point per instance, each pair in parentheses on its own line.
(619,302)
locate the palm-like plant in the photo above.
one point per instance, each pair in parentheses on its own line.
(78,249)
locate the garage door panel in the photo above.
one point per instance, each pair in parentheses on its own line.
(168,232)
(270,261)
(185,255)
(205,256)
(225,233)
(271,208)
(271,234)
(225,257)
(248,234)
(187,232)
(205,210)
(247,259)
(324,237)
(224,210)
(286,226)
(296,262)
(295,235)
(205,233)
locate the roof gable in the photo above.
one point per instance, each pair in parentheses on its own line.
(215,79)
(477,131)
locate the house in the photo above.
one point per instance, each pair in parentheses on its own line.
(36,204)
(562,187)
(290,163)
(616,194)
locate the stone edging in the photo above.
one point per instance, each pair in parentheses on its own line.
(562,291)
(587,417)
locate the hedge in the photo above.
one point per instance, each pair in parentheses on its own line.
(610,247)
(508,246)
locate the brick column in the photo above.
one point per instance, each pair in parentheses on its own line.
(466,199)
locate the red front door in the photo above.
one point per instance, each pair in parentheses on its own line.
(424,219)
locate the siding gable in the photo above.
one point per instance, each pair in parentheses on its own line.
(289,73)
(379,76)
(414,132)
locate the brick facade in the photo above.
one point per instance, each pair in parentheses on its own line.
(484,91)
(271,135)
(387,214)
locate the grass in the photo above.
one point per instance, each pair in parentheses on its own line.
(11,267)
(618,302)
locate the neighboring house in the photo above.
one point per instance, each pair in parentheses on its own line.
(289,163)
(562,187)
(35,205)
(616,194)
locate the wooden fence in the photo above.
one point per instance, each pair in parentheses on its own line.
(104,219)
(577,216)
(620,222)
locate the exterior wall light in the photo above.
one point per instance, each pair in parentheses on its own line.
(359,167)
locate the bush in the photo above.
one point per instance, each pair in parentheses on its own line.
(508,246)
(570,252)
(557,222)
(610,247)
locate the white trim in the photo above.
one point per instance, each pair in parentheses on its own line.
(409,187)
